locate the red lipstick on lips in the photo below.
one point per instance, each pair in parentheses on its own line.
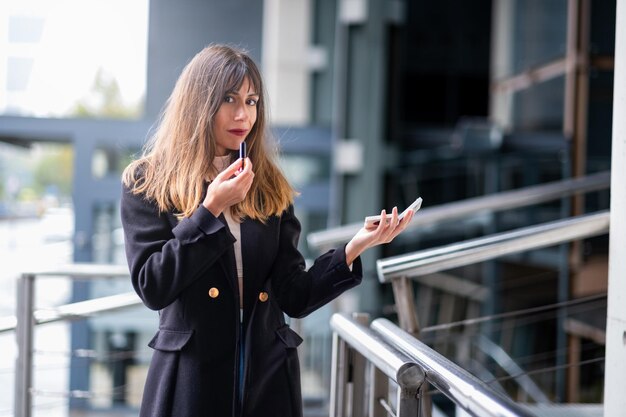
(238,132)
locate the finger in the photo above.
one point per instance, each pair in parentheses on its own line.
(391,224)
(245,178)
(402,225)
(247,183)
(394,217)
(230,170)
(382,223)
(383,235)
(248,164)
(247,167)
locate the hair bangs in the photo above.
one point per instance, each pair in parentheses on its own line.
(235,75)
(239,71)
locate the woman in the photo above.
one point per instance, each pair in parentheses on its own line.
(212,246)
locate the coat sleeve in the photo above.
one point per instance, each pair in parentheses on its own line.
(165,260)
(300,292)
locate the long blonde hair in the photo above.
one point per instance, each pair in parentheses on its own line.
(178,157)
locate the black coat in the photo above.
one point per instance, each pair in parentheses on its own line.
(186,270)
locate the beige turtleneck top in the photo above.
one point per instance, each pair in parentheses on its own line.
(220,163)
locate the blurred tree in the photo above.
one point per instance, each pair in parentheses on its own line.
(54,170)
(105,100)
(16,166)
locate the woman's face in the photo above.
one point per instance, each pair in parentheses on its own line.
(235,118)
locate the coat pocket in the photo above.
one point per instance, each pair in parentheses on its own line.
(170,340)
(290,338)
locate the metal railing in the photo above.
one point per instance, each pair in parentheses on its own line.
(400,269)
(505,200)
(394,354)
(354,347)
(465,390)
(28,317)
(493,246)
(426,266)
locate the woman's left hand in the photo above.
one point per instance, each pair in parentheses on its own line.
(371,236)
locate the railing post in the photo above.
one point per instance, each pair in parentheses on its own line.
(405,304)
(357,373)
(338,377)
(407,316)
(471,394)
(411,382)
(379,390)
(24,334)
(408,402)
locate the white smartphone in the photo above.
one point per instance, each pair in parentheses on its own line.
(375,220)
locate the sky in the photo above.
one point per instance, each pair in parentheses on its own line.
(78,38)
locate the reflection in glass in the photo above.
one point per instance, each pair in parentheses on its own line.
(108,161)
(540,107)
(534,33)
(305,169)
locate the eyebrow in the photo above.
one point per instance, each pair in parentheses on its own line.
(236,92)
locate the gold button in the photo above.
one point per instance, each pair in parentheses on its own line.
(214,292)
(263,296)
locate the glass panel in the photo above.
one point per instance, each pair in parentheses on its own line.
(25,28)
(64,59)
(36,231)
(540,107)
(603,28)
(118,368)
(438,66)
(35,180)
(305,169)
(527,338)
(528,161)
(18,72)
(600,120)
(107,161)
(529,33)
(310,221)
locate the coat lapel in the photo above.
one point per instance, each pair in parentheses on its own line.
(257,259)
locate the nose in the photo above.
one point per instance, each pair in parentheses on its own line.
(241,113)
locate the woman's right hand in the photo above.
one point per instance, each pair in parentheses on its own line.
(229,187)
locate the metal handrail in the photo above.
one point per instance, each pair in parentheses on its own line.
(27,318)
(74,311)
(467,391)
(81,271)
(495,202)
(490,247)
(394,364)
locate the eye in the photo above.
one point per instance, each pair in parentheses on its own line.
(229,99)
(252,101)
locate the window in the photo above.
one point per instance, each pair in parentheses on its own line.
(69,59)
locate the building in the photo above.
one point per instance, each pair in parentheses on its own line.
(376,102)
